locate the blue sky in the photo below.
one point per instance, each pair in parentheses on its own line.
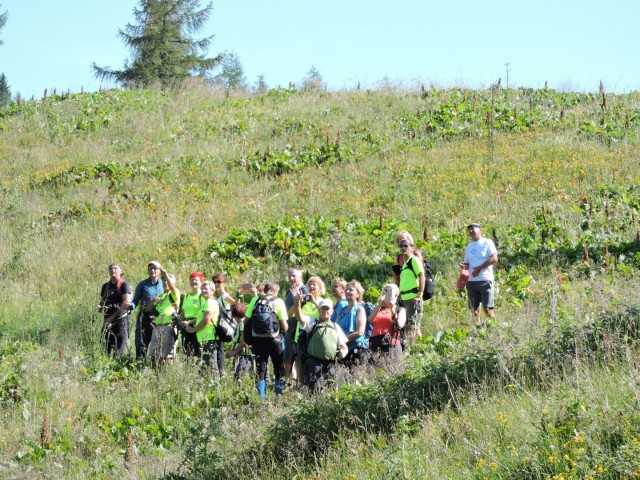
(571,44)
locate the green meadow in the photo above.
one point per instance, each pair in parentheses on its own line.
(251,184)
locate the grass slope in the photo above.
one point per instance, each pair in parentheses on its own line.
(252,184)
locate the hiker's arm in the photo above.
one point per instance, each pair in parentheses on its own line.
(293,291)
(361,323)
(171,282)
(235,351)
(206,319)
(103,299)
(137,295)
(297,310)
(487,263)
(421,286)
(374,313)
(281,312)
(401,318)
(343,349)
(122,308)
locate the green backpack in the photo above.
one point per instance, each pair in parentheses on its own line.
(322,343)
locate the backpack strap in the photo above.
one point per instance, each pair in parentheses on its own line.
(313,330)
(410,263)
(395,330)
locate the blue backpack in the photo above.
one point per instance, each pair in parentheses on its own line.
(348,323)
(368,330)
(264,320)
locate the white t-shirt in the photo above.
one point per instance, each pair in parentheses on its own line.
(476,254)
(311,321)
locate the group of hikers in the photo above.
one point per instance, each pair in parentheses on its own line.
(306,333)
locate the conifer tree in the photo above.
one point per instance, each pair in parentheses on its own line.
(3,20)
(313,80)
(232,72)
(261,84)
(5,93)
(163,50)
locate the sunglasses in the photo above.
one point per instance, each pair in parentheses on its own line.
(404,245)
(217,282)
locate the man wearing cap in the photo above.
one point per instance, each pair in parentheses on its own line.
(479,257)
(115,300)
(146,290)
(326,342)
(164,333)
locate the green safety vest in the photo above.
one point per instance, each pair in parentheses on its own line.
(165,309)
(208,332)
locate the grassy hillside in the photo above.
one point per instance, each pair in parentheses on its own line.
(250,185)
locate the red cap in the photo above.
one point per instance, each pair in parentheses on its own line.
(197,274)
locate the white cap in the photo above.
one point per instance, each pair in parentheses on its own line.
(325,302)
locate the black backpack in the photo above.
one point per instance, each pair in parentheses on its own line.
(429,281)
(226,327)
(264,319)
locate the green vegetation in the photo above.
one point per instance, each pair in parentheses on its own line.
(252,184)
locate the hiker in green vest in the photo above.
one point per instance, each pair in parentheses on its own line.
(191,304)
(412,284)
(325,343)
(205,330)
(266,323)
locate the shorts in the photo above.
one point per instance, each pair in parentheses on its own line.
(480,293)
(414,314)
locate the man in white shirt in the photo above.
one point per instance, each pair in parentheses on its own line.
(479,257)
